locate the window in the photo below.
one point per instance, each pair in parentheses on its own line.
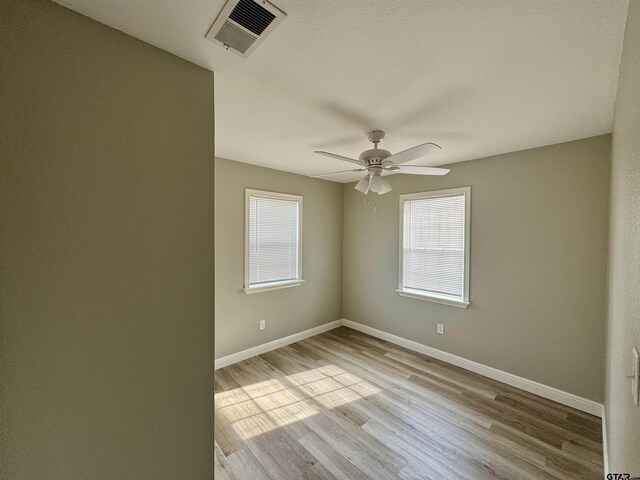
(273,241)
(434,246)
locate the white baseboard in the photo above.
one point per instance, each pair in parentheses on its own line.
(605,451)
(551,393)
(560,396)
(281,342)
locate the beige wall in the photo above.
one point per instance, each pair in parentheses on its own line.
(538,264)
(289,310)
(623,332)
(106,257)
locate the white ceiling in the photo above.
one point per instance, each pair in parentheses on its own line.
(478,77)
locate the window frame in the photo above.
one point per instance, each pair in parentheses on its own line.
(248,193)
(462,302)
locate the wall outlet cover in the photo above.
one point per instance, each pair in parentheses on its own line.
(263,324)
(635,372)
(441,329)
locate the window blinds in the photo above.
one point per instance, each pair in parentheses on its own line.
(433,244)
(273,240)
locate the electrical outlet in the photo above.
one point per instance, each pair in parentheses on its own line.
(635,371)
(441,329)
(263,324)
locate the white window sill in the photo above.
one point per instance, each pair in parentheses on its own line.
(445,300)
(273,286)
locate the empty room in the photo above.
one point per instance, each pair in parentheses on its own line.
(247,239)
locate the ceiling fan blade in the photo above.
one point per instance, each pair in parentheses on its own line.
(414,153)
(339,157)
(341,171)
(418,170)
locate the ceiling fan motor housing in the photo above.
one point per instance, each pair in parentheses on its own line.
(375,156)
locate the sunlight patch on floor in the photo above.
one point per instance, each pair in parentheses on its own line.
(264,406)
(331,386)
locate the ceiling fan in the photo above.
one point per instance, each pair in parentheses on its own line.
(378,162)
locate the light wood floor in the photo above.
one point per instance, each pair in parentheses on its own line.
(346,405)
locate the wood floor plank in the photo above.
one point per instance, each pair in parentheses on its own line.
(554,431)
(425,396)
(350,406)
(574,470)
(395,414)
(581,454)
(226,436)
(245,466)
(444,373)
(419,455)
(323,382)
(480,460)
(221,467)
(542,448)
(339,466)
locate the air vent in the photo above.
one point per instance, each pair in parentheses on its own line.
(235,37)
(252,16)
(243,24)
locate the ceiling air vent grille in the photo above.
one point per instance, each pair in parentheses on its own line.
(243,24)
(252,16)
(235,37)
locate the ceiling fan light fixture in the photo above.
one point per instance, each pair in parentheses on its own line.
(386,187)
(379,185)
(363,185)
